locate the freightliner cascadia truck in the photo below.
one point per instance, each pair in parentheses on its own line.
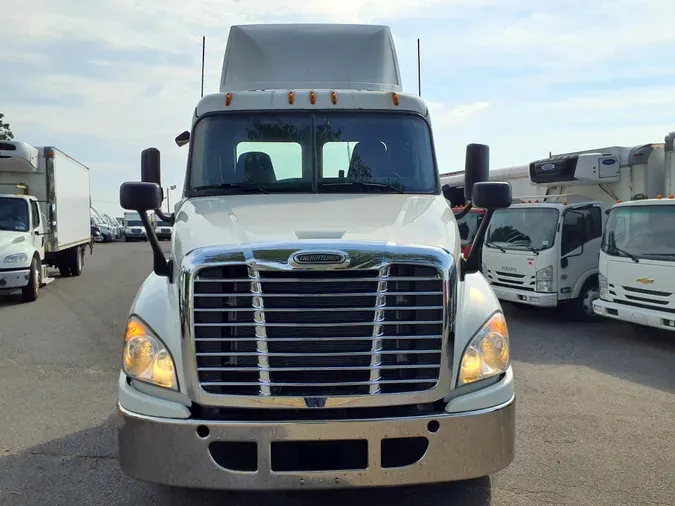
(314,324)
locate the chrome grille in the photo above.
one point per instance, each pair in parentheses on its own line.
(354,332)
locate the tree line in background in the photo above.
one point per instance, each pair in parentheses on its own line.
(5,131)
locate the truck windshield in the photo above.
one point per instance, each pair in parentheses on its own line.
(14,215)
(163,224)
(529,228)
(640,232)
(134,223)
(311,152)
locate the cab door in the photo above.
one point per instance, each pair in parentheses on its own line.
(37,229)
(580,237)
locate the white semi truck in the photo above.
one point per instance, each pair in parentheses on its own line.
(44,216)
(543,250)
(315,325)
(637,260)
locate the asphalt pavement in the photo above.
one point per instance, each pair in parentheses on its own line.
(595,412)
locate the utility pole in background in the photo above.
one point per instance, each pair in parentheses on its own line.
(168,191)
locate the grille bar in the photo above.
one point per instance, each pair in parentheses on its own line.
(354,332)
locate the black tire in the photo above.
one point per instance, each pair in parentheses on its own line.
(582,307)
(31,292)
(76,261)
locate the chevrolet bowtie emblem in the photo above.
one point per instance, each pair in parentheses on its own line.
(645,281)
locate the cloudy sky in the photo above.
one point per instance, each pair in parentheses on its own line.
(102,80)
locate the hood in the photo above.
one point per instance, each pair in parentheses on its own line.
(12,242)
(248,219)
(626,273)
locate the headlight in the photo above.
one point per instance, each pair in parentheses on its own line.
(16,258)
(604,287)
(488,352)
(146,358)
(544,279)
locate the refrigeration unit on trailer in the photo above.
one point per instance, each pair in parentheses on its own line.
(314,325)
(44,216)
(543,250)
(637,258)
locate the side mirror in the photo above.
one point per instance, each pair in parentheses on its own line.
(476,168)
(491,195)
(183,139)
(140,196)
(151,171)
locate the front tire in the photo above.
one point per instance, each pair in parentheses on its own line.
(31,292)
(582,307)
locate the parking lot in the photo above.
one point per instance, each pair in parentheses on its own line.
(595,415)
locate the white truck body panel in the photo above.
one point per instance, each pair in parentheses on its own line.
(72,199)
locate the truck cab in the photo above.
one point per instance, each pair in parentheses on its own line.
(315,324)
(133,227)
(163,229)
(545,253)
(637,258)
(22,240)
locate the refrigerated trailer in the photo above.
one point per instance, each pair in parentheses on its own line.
(637,257)
(543,251)
(44,216)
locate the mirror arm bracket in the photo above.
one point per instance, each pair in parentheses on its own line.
(169,218)
(161,266)
(472,263)
(464,211)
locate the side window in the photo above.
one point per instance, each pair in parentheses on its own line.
(573,232)
(579,227)
(35,212)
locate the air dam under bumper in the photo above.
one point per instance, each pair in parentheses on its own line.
(174,452)
(638,315)
(526,297)
(13,280)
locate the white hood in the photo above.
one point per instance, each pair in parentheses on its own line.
(248,219)
(14,242)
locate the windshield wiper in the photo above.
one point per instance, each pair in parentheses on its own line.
(629,255)
(493,245)
(244,187)
(364,184)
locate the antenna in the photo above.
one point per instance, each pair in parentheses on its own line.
(419,68)
(203,54)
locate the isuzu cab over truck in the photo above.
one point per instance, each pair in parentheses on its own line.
(543,251)
(44,216)
(637,260)
(315,324)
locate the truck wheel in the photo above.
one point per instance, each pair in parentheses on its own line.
(76,261)
(31,292)
(583,306)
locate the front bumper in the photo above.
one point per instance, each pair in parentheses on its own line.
(638,315)
(13,280)
(170,451)
(526,297)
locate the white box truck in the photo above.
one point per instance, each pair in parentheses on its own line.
(44,216)
(543,250)
(637,258)
(315,325)
(133,227)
